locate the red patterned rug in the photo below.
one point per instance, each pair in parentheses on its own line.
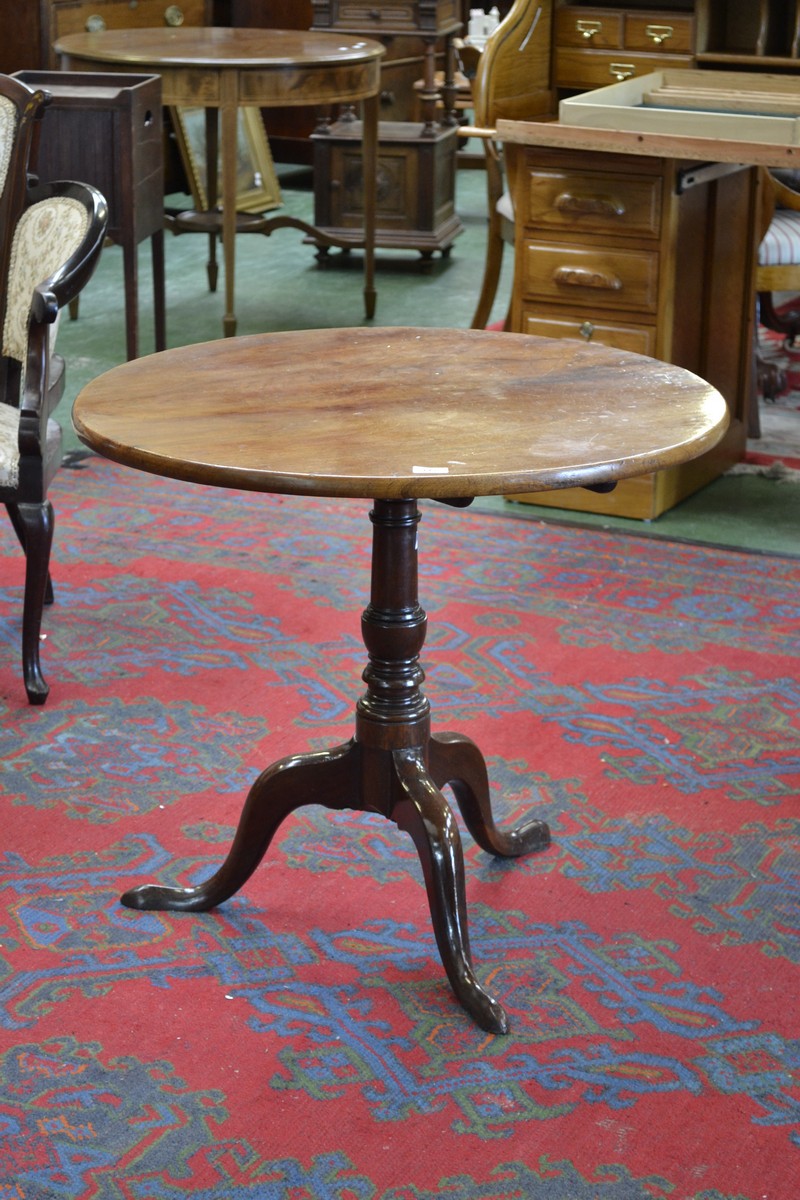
(301,1042)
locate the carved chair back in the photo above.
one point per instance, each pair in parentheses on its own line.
(513,78)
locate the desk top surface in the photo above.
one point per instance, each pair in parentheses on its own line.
(680,146)
(190,45)
(398,412)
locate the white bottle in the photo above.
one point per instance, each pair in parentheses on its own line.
(477,21)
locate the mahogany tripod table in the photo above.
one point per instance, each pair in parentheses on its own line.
(227,68)
(393,415)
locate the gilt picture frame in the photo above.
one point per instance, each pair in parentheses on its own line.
(257,187)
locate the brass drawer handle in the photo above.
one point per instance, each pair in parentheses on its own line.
(658,33)
(596,206)
(173,16)
(622,71)
(95,24)
(589,28)
(586,331)
(583,277)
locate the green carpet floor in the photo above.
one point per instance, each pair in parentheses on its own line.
(279,285)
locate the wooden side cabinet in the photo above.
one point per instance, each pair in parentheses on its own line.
(416,159)
(645,254)
(416,187)
(106,131)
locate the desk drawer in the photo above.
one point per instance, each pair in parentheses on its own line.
(589,27)
(361,16)
(594,203)
(598,278)
(84,16)
(640,339)
(659,32)
(586,69)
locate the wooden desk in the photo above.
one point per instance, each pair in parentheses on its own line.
(220,69)
(391,415)
(647,242)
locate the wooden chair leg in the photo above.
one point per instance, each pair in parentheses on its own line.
(36,523)
(491,274)
(19,529)
(787,323)
(494,240)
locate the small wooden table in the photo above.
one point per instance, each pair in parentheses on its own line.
(392,415)
(227,68)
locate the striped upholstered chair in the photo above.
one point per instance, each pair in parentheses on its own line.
(779,252)
(50,239)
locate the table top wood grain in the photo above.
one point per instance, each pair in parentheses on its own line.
(398,412)
(190,45)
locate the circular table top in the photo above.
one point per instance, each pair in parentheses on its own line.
(193,45)
(395,412)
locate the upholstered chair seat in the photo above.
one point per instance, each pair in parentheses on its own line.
(780,246)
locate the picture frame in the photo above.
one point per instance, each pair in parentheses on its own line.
(257,187)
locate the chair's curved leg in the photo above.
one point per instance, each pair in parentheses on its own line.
(494,240)
(326,777)
(19,529)
(491,276)
(423,812)
(455,759)
(36,523)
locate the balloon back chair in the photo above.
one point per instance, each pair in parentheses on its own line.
(50,238)
(512,82)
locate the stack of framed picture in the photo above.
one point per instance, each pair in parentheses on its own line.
(257,189)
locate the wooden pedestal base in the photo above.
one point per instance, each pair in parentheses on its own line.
(393,766)
(416,186)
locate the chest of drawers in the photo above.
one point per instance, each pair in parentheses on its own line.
(591,254)
(395,17)
(31,29)
(618,249)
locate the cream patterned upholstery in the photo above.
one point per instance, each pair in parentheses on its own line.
(9,446)
(46,237)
